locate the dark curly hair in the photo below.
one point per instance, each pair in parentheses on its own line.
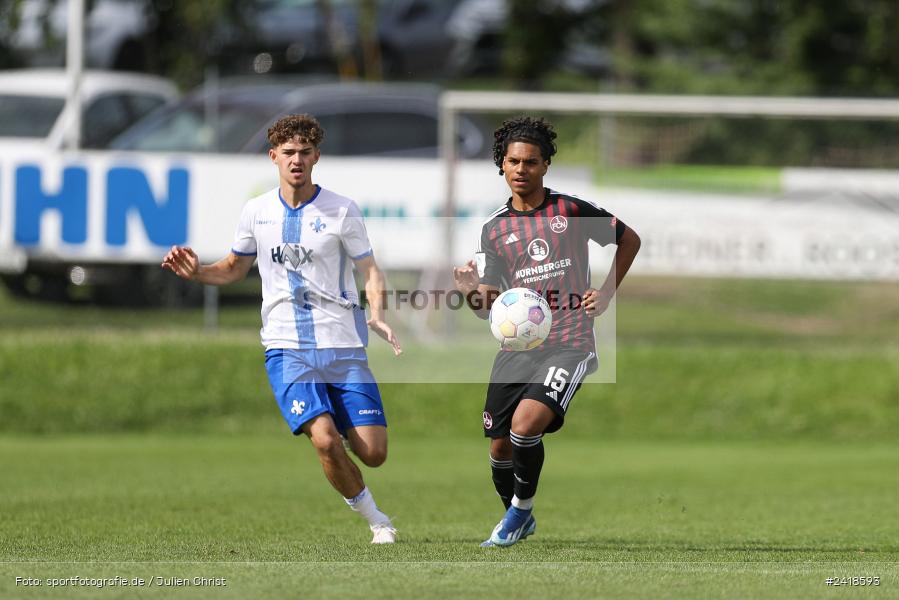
(305,127)
(524,129)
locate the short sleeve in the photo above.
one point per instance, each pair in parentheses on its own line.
(244,238)
(599,225)
(353,234)
(489,263)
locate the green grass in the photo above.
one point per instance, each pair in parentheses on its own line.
(650,309)
(703,178)
(747,313)
(695,359)
(145,382)
(640,519)
(748,450)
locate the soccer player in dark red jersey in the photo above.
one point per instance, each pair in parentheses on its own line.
(537,240)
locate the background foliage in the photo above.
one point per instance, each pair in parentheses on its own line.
(672,46)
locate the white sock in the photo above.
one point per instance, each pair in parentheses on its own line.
(523,504)
(364,504)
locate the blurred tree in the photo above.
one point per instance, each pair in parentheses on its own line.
(186,38)
(537,34)
(847,48)
(338,41)
(10,13)
(368,40)
(765,47)
(697,46)
(189,35)
(756,46)
(534,39)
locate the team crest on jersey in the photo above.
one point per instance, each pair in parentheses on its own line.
(295,254)
(318,225)
(488,420)
(538,249)
(558,224)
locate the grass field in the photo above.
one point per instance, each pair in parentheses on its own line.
(700,178)
(696,358)
(615,519)
(748,450)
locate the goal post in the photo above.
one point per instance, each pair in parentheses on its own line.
(453,103)
(810,221)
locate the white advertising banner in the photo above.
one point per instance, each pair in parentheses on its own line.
(114,207)
(823,235)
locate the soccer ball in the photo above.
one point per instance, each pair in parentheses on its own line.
(520,319)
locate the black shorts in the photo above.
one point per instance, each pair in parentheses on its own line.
(551,376)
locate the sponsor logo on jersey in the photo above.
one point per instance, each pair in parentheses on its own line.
(512,239)
(558,224)
(318,225)
(295,254)
(538,249)
(558,266)
(488,420)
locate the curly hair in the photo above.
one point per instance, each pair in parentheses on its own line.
(524,129)
(305,127)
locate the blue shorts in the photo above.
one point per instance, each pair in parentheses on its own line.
(308,383)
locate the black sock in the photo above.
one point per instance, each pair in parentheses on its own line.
(503,480)
(527,461)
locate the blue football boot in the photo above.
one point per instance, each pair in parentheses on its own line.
(530,528)
(528,531)
(516,525)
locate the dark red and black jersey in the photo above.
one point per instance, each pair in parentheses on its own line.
(545,250)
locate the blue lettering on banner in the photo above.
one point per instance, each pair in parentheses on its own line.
(31,202)
(128,188)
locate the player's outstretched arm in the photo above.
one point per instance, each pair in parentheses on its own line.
(597,301)
(375,291)
(184,263)
(478,296)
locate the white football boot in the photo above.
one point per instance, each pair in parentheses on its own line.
(384,533)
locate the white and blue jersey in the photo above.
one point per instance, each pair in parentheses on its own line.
(313,328)
(305,257)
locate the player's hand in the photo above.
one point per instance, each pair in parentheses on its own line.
(595,302)
(182,261)
(384,330)
(466,278)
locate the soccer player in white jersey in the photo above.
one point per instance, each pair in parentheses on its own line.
(307,240)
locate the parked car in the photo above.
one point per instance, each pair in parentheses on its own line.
(386,120)
(360,119)
(33,117)
(432,39)
(413,37)
(284,36)
(32,105)
(116,33)
(476,29)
